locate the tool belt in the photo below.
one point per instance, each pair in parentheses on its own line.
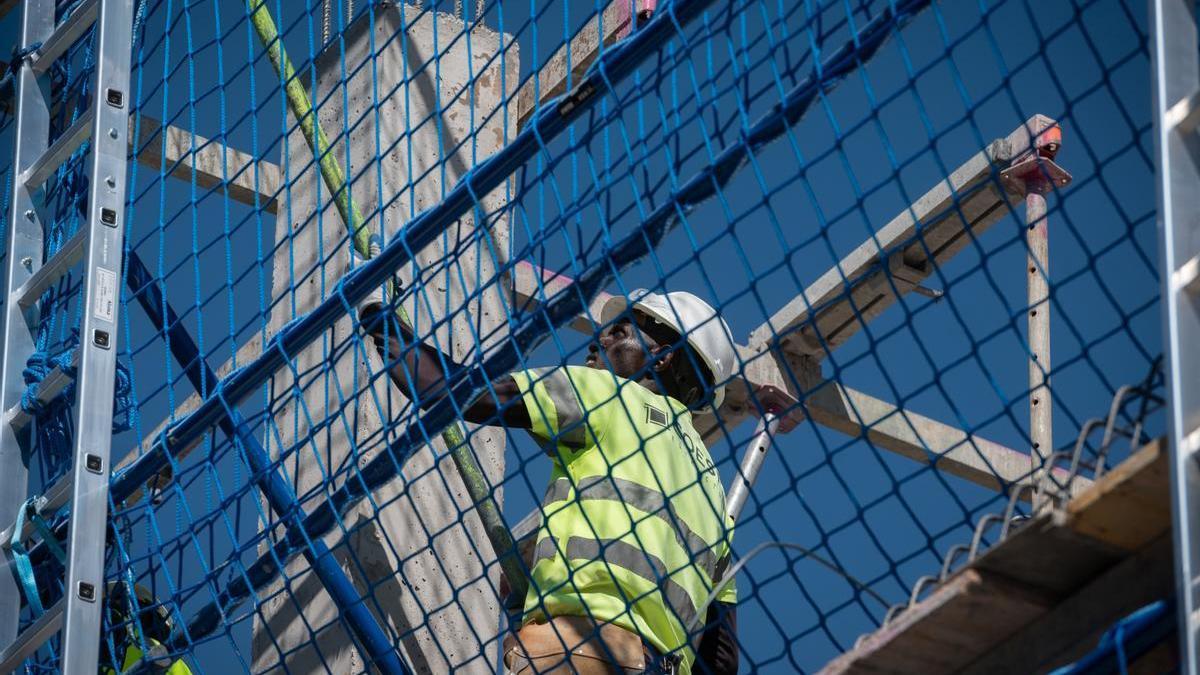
(575,644)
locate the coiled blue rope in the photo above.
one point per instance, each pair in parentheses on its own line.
(40,364)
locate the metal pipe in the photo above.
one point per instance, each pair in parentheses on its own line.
(752,463)
(1032,176)
(1038,296)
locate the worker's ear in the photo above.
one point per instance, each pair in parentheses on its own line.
(664,357)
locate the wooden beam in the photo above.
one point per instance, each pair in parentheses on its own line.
(213,163)
(944,631)
(970,620)
(1128,508)
(924,440)
(1074,626)
(572,59)
(171,149)
(860,287)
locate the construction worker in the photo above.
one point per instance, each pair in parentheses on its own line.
(152,629)
(633,530)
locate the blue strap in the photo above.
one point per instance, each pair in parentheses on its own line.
(47,535)
(23,566)
(21,554)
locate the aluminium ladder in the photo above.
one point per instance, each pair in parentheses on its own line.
(1174,46)
(99,245)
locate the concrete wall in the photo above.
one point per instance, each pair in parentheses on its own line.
(413,553)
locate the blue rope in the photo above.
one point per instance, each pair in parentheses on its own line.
(8,84)
(40,364)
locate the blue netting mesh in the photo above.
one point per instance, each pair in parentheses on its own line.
(758,154)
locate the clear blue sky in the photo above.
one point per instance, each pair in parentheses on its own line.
(960,75)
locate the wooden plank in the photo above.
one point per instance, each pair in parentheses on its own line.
(1074,626)
(923,440)
(1044,554)
(572,59)
(1077,557)
(943,632)
(212,163)
(1130,506)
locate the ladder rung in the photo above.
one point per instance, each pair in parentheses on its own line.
(1187,277)
(1184,115)
(32,637)
(53,384)
(65,34)
(52,500)
(58,153)
(52,270)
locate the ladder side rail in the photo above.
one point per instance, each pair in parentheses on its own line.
(24,257)
(98,339)
(1176,72)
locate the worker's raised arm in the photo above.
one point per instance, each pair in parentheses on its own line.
(419,373)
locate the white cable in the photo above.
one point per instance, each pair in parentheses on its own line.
(731,574)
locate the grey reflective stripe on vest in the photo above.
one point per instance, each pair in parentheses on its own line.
(629,557)
(642,498)
(566,407)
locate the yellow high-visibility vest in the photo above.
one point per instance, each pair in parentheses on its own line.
(133,654)
(634,520)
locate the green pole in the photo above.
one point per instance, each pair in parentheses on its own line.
(454,436)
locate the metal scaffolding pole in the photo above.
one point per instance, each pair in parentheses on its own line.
(1032,176)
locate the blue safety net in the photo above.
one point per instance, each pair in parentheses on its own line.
(842,180)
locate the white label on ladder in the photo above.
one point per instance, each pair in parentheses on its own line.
(104,307)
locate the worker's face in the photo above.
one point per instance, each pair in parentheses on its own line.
(627,347)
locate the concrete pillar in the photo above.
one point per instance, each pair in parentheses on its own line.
(415,549)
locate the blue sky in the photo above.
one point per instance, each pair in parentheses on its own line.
(960,75)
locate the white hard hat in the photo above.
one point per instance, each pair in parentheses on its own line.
(707,333)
